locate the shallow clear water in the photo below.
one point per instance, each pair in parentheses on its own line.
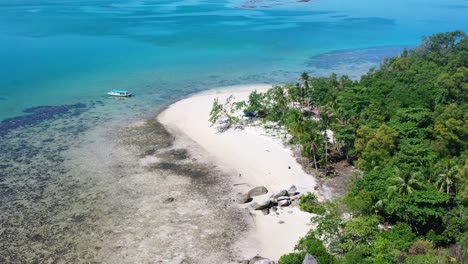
(67,190)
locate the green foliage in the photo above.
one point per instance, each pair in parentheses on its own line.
(360,233)
(361,203)
(451,129)
(292,258)
(422,259)
(256,104)
(390,244)
(375,147)
(309,203)
(225,113)
(422,210)
(354,256)
(215,112)
(313,246)
(405,126)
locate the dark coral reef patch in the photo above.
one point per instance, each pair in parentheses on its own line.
(38,114)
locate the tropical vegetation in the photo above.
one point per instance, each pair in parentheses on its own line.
(404,127)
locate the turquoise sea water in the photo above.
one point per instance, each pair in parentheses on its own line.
(69,51)
(70,192)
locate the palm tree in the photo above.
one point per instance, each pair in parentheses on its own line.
(404,183)
(325,121)
(449,175)
(429,170)
(305,78)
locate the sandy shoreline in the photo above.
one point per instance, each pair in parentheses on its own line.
(253,159)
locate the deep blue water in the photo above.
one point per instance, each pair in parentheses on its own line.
(72,51)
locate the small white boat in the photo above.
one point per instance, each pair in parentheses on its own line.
(119,93)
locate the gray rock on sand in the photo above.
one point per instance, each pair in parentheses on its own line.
(261,205)
(284,203)
(292,190)
(281,198)
(255,259)
(264,261)
(258,191)
(295,197)
(242,198)
(279,194)
(309,259)
(274,209)
(266,211)
(169,200)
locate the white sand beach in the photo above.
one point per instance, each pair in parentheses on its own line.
(253,159)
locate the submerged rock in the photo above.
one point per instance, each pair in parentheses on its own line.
(260,190)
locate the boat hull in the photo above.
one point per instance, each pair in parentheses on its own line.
(119,95)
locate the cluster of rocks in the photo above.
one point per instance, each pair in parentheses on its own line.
(282,198)
(308,259)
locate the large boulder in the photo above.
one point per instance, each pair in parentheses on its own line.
(260,190)
(284,203)
(281,198)
(279,194)
(255,259)
(264,261)
(309,259)
(242,198)
(292,190)
(261,205)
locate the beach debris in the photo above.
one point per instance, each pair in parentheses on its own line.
(259,190)
(309,259)
(280,193)
(266,211)
(292,190)
(261,205)
(242,198)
